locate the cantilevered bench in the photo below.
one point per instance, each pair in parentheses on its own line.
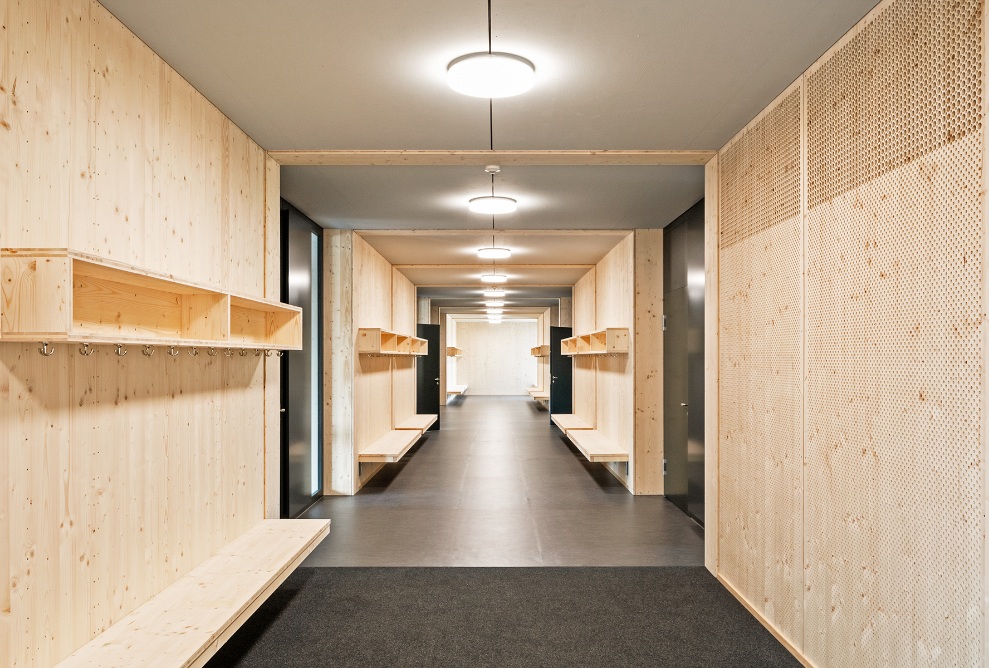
(391,447)
(456,389)
(596,446)
(417,422)
(187,622)
(567,422)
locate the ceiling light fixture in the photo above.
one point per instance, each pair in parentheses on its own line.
(494,304)
(494,293)
(492,204)
(490,74)
(494,278)
(494,311)
(494,253)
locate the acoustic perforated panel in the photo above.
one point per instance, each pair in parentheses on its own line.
(894,485)
(760,437)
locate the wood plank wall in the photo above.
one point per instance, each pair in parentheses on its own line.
(119,474)
(497,357)
(362,289)
(614,306)
(584,386)
(852,413)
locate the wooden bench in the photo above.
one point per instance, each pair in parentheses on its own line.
(418,422)
(567,422)
(596,446)
(391,447)
(188,621)
(456,389)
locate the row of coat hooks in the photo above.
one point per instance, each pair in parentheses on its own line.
(47,350)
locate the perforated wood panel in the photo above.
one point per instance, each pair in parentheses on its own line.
(895,402)
(760,359)
(761,174)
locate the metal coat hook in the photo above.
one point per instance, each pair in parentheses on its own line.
(228,352)
(269,353)
(172,352)
(193,352)
(211,351)
(243,353)
(45,350)
(258,352)
(85,350)
(279,353)
(120,350)
(148,351)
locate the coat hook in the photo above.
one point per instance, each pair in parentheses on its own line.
(269,353)
(243,353)
(258,352)
(45,350)
(148,351)
(193,352)
(211,351)
(228,352)
(279,353)
(85,350)
(172,352)
(120,350)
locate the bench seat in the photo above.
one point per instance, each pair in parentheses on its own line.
(391,447)
(187,622)
(417,422)
(567,422)
(456,389)
(596,446)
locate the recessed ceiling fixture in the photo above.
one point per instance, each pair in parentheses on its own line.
(494,293)
(490,74)
(494,278)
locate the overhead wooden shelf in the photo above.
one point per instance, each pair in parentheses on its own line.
(540,351)
(611,341)
(63,296)
(452,351)
(375,341)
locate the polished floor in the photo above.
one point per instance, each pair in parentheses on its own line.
(498,485)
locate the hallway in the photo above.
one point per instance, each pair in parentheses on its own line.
(498,485)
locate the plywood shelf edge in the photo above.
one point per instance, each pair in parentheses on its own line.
(379,342)
(609,341)
(58,295)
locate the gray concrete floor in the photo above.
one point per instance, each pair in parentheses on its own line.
(498,485)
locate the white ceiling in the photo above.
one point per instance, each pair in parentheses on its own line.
(611,74)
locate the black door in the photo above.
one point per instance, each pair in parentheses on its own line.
(302,370)
(560,373)
(428,374)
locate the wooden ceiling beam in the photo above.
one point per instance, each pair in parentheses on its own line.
(480,158)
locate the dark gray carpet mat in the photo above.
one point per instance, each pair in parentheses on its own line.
(505,617)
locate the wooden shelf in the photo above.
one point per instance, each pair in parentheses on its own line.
(611,341)
(381,342)
(540,351)
(452,351)
(63,296)
(189,620)
(596,446)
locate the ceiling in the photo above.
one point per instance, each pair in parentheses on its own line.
(611,74)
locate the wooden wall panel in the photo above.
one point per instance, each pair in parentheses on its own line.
(497,358)
(339,461)
(44,120)
(895,484)
(123,481)
(760,441)
(372,287)
(647,339)
(712,393)
(890,235)
(273,365)
(584,303)
(403,369)
(130,470)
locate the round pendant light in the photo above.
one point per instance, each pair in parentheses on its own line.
(494,311)
(494,253)
(494,293)
(492,204)
(490,75)
(494,278)
(494,304)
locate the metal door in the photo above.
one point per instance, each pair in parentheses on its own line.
(428,374)
(675,397)
(302,370)
(683,361)
(560,372)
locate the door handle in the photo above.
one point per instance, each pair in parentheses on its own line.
(684,405)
